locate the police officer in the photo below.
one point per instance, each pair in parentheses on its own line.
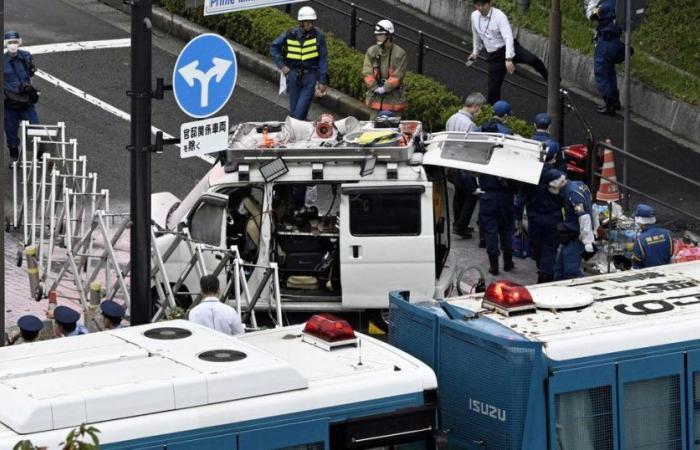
(543,218)
(497,124)
(29,328)
(20,96)
(653,246)
(542,123)
(576,232)
(66,321)
(383,70)
(112,314)
(609,51)
(301,54)
(496,203)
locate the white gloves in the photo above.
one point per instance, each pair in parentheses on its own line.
(586,231)
(588,248)
(380,90)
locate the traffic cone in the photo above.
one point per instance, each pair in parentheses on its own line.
(608,191)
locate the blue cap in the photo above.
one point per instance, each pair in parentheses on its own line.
(64,314)
(552,150)
(11,35)
(112,309)
(551,175)
(644,210)
(501,108)
(30,324)
(543,120)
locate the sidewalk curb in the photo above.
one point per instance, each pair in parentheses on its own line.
(182,28)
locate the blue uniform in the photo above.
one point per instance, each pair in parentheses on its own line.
(609,51)
(653,247)
(307,58)
(79,329)
(496,204)
(543,136)
(17,71)
(543,216)
(577,202)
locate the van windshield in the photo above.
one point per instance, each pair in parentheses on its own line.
(188,202)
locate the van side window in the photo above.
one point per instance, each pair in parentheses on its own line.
(385,214)
(652,411)
(205,225)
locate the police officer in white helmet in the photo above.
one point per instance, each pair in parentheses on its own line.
(301,54)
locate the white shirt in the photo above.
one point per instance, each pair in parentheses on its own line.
(492,31)
(219,316)
(462,120)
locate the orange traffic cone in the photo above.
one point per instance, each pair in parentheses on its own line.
(608,190)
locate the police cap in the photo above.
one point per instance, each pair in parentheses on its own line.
(64,314)
(543,120)
(11,35)
(644,210)
(501,108)
(30,324)
(551,175)
(112,309)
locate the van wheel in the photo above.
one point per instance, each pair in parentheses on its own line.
(379,318)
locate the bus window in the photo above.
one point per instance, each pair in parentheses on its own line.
(652,413)
(584,419)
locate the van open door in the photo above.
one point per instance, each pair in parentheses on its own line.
(511,157)
(386,241)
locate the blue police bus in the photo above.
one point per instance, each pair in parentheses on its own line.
(600,363)
(179,386)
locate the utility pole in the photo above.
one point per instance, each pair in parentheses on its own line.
(140,149)
(627,101)
(554,101)
(2,204)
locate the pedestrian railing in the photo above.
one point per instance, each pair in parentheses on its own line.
(626,189)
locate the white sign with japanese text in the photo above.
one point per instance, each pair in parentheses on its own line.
(203,136)
(212,7)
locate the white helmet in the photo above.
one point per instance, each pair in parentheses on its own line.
(306,13)
(384,26)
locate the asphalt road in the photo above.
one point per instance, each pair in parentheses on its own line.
(105,74)
(645,142)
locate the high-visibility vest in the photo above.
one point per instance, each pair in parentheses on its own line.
(301,51)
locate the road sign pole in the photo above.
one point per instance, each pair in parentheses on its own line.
(140,160)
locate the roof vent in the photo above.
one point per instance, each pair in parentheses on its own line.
(167,333)
(561,298)
(222,355)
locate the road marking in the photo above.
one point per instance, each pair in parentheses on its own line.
(92,45)
(77,46)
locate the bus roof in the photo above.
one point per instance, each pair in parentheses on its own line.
(630,310)
(161,367)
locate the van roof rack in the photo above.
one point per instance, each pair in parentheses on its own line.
(298,141)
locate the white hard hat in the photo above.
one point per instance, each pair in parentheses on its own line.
(306,13)
(384,26)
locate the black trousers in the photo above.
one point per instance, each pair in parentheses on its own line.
(497,68)
(464,201)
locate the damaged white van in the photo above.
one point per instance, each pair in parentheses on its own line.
(349,210)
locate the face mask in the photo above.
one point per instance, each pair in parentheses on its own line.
(12,48)
(553,189)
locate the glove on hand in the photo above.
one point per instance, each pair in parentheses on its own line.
(380,90)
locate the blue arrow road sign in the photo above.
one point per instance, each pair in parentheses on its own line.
(204,75)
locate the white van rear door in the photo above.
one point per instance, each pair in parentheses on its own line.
(504,156)
(386,242)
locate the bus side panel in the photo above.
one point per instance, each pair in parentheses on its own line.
(312,434)
(223,441)
(693,398)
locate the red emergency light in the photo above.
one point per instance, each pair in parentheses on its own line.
(576,152)
(328,331)
(508,297)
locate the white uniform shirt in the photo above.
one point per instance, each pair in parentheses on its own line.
(462,120)
(219,316)
(492,31)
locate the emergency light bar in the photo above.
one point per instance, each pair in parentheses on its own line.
(508,297)
(328,332)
